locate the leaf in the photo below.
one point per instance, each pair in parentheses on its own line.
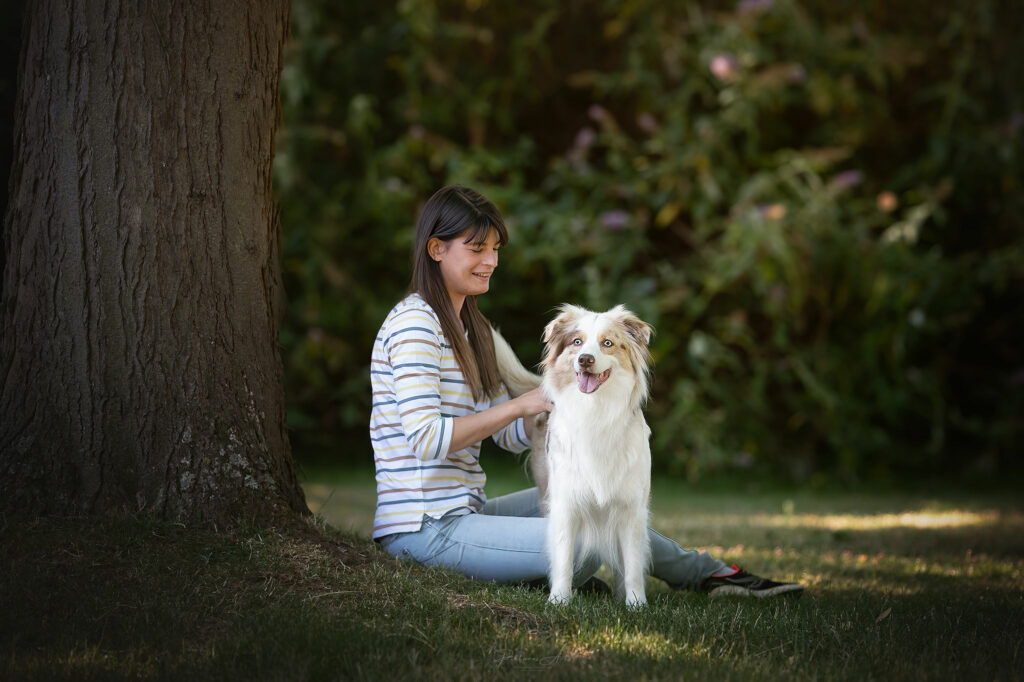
(883,615)
(667,214)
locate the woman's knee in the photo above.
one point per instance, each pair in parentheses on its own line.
(522,503)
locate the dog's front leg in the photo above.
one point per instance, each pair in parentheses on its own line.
(634,546)
(561,545)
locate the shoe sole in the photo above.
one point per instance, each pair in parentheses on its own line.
(793,591)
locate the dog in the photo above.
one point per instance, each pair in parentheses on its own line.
(591,457)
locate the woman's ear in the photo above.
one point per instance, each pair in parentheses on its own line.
(436,248)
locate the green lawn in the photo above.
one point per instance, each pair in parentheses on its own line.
(900,586)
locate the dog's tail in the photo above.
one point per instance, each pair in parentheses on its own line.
(520,380)
(517,378)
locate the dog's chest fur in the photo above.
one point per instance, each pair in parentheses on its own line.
(597,469)
(597,447)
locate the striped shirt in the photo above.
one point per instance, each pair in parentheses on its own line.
(418,390)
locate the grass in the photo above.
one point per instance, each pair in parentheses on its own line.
(900,586)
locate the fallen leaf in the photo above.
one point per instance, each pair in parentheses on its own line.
(883,615)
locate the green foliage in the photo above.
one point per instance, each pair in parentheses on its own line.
(818,208)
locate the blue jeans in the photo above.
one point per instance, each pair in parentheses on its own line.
(506,544)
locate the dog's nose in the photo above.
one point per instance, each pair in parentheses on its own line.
(586,361)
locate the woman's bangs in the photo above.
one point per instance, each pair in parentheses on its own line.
(479,232)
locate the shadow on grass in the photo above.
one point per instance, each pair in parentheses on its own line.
(893,593)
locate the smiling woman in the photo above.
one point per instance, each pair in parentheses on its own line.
(466,265)
(450,270)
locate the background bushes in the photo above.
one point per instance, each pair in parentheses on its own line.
(817,205)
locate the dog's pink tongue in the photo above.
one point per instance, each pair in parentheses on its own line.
(587,382)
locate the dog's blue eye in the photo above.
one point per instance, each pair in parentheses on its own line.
(577,342)
(607,343)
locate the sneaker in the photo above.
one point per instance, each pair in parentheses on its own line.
(745,584)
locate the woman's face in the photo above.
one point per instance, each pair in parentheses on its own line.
(466,268)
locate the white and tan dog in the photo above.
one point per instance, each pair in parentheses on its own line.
(593,464)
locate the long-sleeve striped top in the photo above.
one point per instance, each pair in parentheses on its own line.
(418,390)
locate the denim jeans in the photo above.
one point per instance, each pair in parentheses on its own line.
(506,544)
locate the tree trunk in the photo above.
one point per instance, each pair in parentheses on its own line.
(138,329)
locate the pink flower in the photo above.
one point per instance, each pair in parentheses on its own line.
(886,201)
(584,138)
(797,73)
(647,123)
(614,220)
(845,180)
(724,66)
(597,112)
(752,6)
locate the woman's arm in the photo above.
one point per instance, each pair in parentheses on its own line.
(475,427)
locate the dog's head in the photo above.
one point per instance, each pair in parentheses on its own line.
(588,349)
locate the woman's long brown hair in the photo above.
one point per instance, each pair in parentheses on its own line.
(459,212)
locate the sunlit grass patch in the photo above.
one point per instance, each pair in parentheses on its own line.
(345,499)
(617,639)
(910,519)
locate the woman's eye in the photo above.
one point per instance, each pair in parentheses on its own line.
(607,343)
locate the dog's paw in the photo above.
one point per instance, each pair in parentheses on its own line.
(636,601)
(559,598)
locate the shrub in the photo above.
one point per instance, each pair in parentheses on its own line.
(817,209)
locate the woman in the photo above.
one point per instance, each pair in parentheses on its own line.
(437,394)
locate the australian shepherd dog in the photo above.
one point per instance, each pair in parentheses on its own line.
(592,458)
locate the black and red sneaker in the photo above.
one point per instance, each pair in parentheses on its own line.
(743,584)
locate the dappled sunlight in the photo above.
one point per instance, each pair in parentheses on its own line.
(910,519)
(888,552)
(870,544)
(316,495)
(346,507)
(927,527)
(651,645)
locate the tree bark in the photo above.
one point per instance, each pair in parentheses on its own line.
(138,329)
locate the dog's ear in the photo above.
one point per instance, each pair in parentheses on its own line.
(640,352)
(566,318)
(557,330)
(637,328)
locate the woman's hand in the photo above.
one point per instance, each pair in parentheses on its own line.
(474,428)
(533,402)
